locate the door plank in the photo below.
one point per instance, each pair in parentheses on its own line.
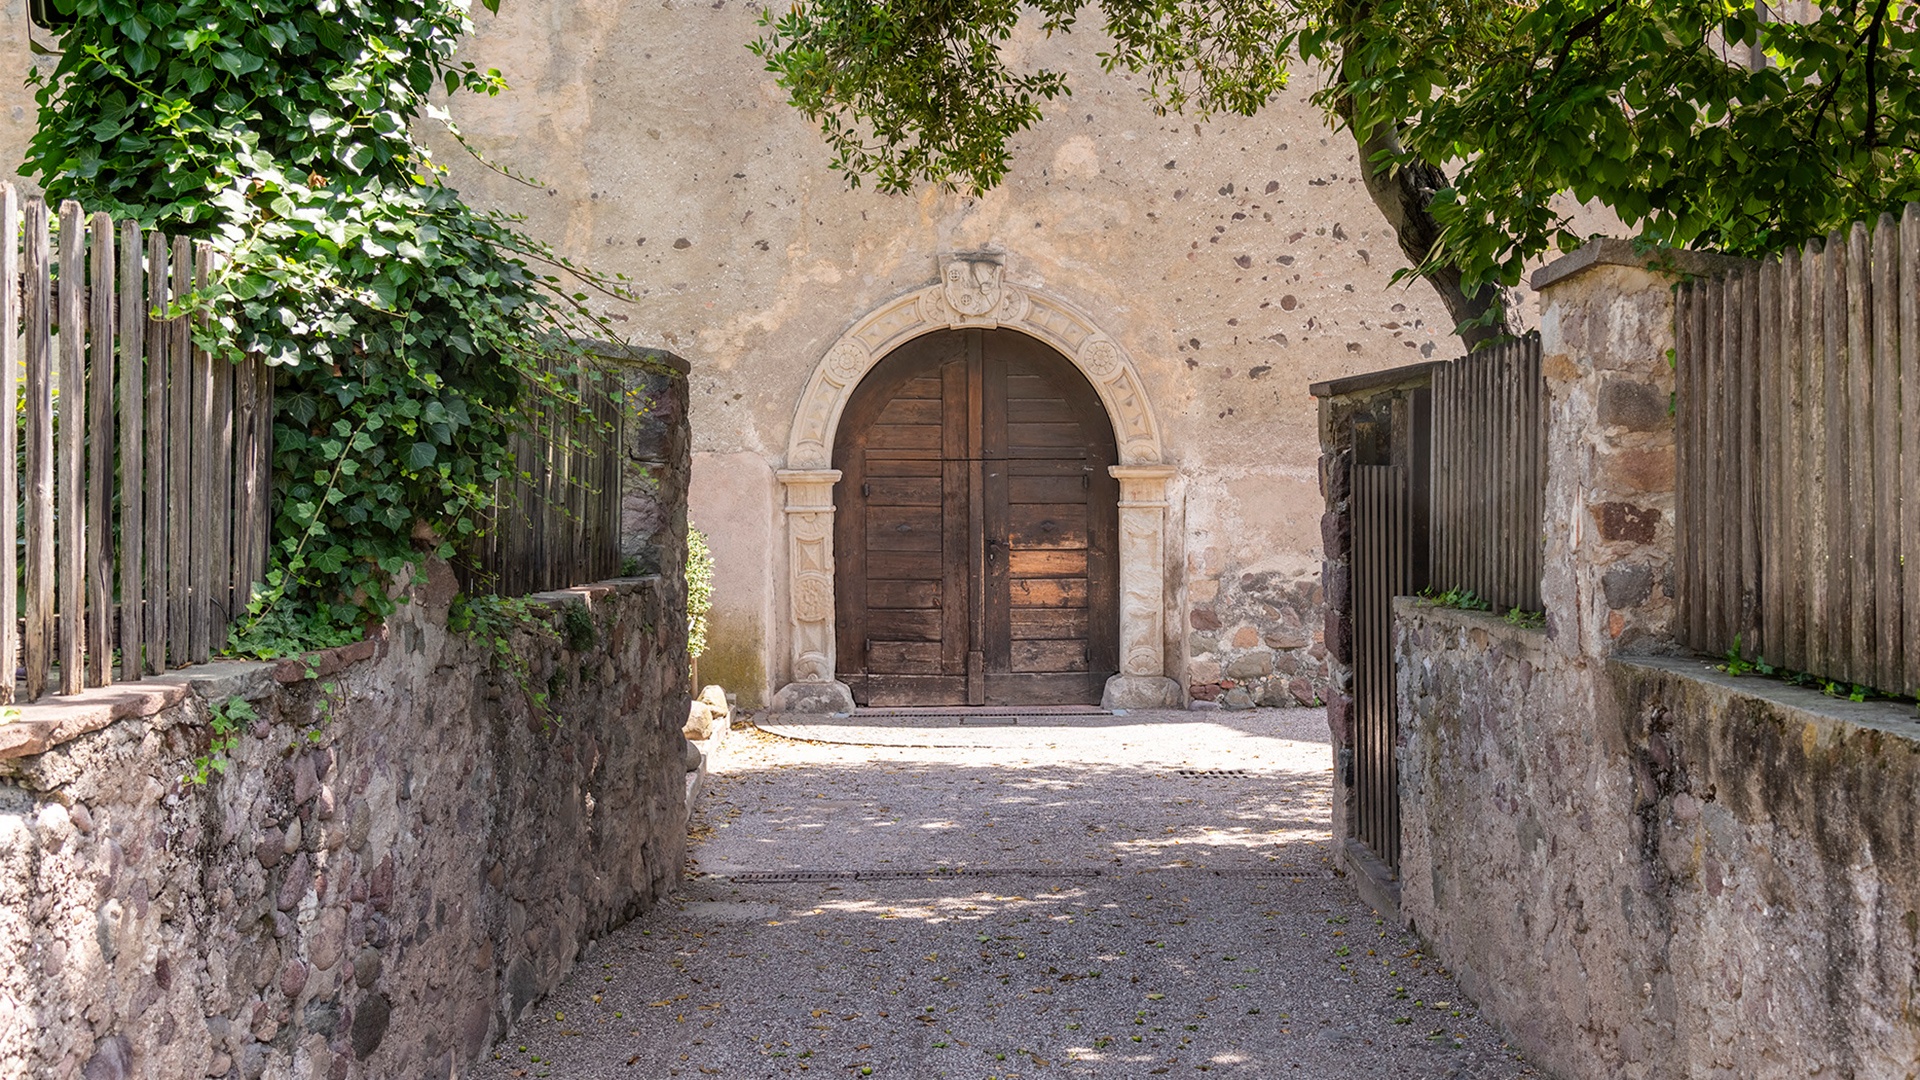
(903,490)
(1049,592)
(1048,562)
(902,594)
(1062,488)
(1047,525)
(903,528)
(1034,624)
(1049,655)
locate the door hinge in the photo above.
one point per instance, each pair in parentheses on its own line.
(866,491)
(1086,481)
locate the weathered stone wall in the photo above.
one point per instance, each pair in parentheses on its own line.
(1647,869)
(404,854)
(656,462)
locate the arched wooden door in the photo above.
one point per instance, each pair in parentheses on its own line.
(976,528)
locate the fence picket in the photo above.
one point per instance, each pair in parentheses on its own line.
(180,463)
(1885,401)
(70,510)
(1838,518)
(1767,526)
(10,360)
(159,478)
(99,438)
(1859,420)
(132,343)
(206,565)
(1909,293)
(1790,562)
(38,645)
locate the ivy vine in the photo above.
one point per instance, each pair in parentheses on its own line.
(410,332)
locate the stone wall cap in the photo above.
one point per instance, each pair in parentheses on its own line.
(1894,718)
(1613,251)
(634,354)
(1376,380)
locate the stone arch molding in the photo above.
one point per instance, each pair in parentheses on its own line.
(973,293)
(974,298)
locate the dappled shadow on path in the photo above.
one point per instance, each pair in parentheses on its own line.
(1084,899)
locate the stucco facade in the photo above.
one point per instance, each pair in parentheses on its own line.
(1231,261)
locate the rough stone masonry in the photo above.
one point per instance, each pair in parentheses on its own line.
(405,851)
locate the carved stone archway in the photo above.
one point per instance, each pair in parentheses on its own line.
(973,293)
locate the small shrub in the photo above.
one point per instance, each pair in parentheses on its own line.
(699,591)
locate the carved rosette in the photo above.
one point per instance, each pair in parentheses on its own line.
(810,581)
(1100,360)
(846,362)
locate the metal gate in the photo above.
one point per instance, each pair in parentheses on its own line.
(1382,569)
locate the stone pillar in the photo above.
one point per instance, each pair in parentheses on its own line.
(1142,682)
(810,595)
(1606,335)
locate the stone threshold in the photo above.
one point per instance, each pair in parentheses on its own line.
(35,727)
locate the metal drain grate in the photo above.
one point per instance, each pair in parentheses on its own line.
(1212,774)
(940,873)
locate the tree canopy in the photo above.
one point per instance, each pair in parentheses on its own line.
(1700,123)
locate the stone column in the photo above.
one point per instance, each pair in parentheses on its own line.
(1606,330)
(810,595)
(1142,682)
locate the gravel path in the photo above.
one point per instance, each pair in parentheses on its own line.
(1059,896)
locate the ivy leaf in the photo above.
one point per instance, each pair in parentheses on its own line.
(420,455)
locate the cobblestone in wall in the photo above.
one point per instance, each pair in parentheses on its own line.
(1255,639)
(403,855)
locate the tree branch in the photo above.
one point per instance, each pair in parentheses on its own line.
(1404,194)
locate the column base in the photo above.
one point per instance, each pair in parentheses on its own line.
(1141,692)
(814,698)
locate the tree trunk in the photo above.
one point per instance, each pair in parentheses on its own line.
(1404,192)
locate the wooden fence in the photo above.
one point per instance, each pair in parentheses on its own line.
(1489,474)
(143,483)
(1798,428)
(558,522)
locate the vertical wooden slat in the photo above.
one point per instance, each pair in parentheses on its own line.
(1859,420)
(1909,292)
(241,486)
(1706,398)
(1885,400)
(1838,463)
(1684,431)
(99,435)
(1815,278)
(38,643)
(71,509)
(1791,563)
(1752,468)
(133,462)
(263,471)
(10,361)
(206,566)
(159,471)
(1715,459)
(180,462)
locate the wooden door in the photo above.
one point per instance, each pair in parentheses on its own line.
(976,530)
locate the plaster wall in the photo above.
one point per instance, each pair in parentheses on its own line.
(1235,260)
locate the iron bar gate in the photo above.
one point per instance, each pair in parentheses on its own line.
(1382,569)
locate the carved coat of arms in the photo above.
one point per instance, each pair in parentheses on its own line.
(973,287)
